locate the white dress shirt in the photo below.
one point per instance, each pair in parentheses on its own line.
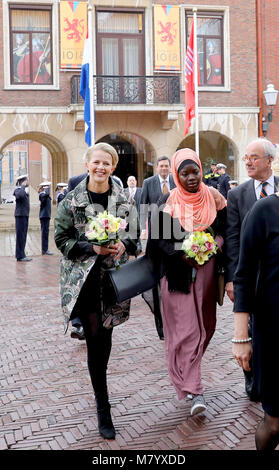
(269,188)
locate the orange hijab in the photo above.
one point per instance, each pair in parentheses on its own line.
(195,211)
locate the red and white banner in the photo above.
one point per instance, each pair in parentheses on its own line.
(189,82)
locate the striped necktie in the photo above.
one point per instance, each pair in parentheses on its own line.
(263,191)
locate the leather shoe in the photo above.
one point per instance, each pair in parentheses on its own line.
(78,333)
(47,253)
(25,259)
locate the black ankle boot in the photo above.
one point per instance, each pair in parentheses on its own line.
(105,424)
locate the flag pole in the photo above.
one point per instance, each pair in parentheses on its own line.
(91,86)
(196,82)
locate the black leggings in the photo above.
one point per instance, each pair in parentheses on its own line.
(98,340)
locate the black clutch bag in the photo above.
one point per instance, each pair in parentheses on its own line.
(130,279)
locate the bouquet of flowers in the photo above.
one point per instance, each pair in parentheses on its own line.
(105,228)
(200,247)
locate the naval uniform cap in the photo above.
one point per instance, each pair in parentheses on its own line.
(21,177)
(61,184)
(221,165)
(45,183)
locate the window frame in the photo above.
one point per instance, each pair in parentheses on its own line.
(7,33)
(15,6)
(209,10)
(120,37)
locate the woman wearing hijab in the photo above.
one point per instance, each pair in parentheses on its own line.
(188,290)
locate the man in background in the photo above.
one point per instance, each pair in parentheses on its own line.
(211,177)
(223,185)
(258,159)
(45,214)
(133,194)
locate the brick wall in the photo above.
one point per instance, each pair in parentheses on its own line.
(242,62)
(243,58)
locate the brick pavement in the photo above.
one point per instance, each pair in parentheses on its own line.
(46,399)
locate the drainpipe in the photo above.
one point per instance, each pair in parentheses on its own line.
(259,66)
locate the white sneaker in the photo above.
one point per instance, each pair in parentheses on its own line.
(198,405)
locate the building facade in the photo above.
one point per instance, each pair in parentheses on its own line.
(139,48)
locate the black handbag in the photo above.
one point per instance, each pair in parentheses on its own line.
(131,279)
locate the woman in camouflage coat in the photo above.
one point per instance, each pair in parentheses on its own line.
(83,265)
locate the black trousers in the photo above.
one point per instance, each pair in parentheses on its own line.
(21,226)
(44,232)
(98,339)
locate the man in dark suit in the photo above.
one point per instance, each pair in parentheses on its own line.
(133,194)
(152,190)
(45,214)
(258,160)
(154,187)
(22,210)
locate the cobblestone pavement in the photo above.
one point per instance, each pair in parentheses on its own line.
(46,399)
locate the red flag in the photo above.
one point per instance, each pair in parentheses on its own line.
(189,82)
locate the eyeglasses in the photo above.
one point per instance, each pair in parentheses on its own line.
(251,159)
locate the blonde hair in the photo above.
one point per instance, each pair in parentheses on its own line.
(106,148)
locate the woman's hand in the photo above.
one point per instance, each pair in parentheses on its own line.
(104,250)
(242,352)
(115,250)
(119,249)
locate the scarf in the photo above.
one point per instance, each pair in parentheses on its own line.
(195,211)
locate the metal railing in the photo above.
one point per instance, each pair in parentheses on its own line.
(111,89)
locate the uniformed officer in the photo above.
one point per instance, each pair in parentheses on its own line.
(61,191)
(45,214)
(22,210)
(224,180)
(211,177)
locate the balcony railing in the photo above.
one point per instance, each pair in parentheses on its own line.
(110,89)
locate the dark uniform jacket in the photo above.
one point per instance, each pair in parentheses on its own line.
(45,207)
(223,185)
(22,202)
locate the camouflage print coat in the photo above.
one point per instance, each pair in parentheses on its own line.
(70,226)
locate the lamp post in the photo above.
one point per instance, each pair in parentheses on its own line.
(270,95)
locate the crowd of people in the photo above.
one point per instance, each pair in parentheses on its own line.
(177,203)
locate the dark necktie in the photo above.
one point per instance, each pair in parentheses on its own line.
(263,191)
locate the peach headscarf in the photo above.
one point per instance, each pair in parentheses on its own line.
(195,211)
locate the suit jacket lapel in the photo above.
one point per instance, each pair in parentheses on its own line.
(250,196)
(159,190)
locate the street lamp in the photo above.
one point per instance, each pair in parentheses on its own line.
(270,95)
